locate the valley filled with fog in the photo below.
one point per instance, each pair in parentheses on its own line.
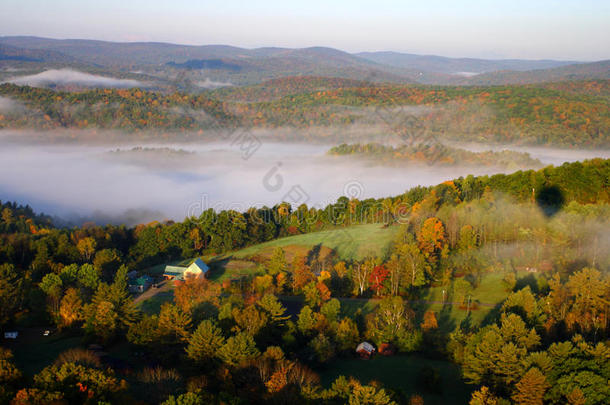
(139,182)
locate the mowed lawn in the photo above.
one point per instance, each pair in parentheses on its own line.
(405,373)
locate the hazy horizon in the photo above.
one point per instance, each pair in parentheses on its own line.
(498,58)
(573,30)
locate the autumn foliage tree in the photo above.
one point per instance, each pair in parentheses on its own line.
(377,278)
(301,273)
(432,239)
(195,291)
(71,308)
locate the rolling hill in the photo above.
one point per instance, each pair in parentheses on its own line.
(441,64)
(249,66)
(581,71)
(16,54)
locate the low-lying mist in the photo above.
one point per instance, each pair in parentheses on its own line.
(9,106)
(65,77)
(211,84)
(133,182)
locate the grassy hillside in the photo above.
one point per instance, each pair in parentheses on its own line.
(351,243)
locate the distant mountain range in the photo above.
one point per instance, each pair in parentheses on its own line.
(12,53)
(166,62)
(459,66)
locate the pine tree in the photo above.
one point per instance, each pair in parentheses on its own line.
(119,296)
(483,397)
(174,324)
(104,321)
(10,292)
(238,349)
(274,308)
(531,388)
(576,397)
(277,263)
(205,342)
(306,320)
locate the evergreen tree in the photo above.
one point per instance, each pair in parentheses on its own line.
(205,342)
(483,397)
(238,349)
(277,263)
(10,292)
(531,388)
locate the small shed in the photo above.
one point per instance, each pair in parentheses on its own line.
(365,350)
(140,284)
(387,349)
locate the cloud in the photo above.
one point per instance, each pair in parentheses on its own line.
(210,84)
(8,105)
(466,74)
(84,180)
(69,76)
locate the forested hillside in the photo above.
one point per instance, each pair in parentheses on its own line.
(537,333)
(562,114)
(436,154)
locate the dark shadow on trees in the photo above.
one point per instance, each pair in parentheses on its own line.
(204,310)
(493,315)
(529,280)
(314,254)
(550,199)
(466,325)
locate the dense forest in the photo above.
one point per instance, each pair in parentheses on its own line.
(237,341)
(561,114)
(437,154)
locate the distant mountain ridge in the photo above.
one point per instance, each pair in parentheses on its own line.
(13,53)
(580,71)
(442,64)
(249,66)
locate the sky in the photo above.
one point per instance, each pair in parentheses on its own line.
(533,29)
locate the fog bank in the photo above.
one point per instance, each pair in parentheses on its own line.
(68,76)
(170,181)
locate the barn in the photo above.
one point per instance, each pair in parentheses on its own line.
(196,269)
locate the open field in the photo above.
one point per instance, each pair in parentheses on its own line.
(33,351)
(351,243)
(405,374)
